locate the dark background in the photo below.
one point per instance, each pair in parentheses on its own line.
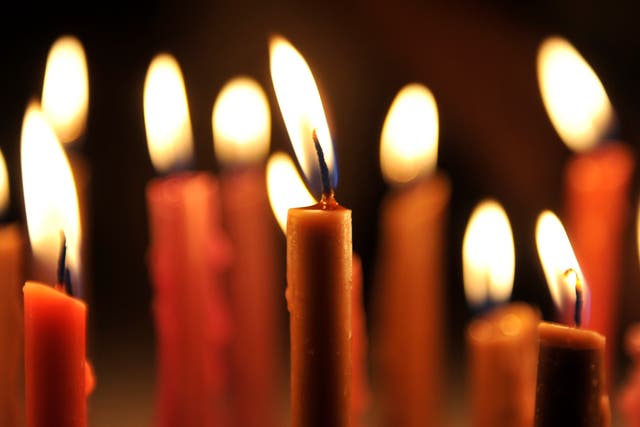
(478,58)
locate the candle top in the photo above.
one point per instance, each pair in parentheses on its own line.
(557,335)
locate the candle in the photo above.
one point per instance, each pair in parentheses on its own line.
(503,342)
(319,256)
(56,382)
(409,300)
(11,264)
(571,372)
(596,180)
(241,123)
(187,256)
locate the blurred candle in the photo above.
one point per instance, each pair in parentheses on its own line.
(319,255)
(241,123)
(11,274)
(503,343)
(597,179)
(571,371)
(187,256)
(55,322)
(409,301)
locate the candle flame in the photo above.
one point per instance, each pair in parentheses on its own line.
(488,255)
(241,122)
(409,140)
(285,187)
(4,186)
(50,198)
(573,95)
(65,91)
(166,115)
(561,268)
(302,111)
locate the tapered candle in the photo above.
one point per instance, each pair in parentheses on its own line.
(597,180)
(187,256)
(409,300)
(241,123)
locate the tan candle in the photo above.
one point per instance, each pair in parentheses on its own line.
(409,300)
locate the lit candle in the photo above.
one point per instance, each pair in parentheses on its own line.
(241,123)
(319,256)
(55,322)
(11,274)
(409,300)
(596,181)
(571,372)
(503,343)
(187,256)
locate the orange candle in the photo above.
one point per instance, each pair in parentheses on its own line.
(409,300)
(596,181)
(188,255)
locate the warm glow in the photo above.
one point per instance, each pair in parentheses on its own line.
(65,91)
(241,122)
(574,97)
(302,110)
(285,187)
(557,257)
(409,140)
(4,186)
(50,198)
(488,255)
(166,115)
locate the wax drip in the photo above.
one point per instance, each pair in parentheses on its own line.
(63,274)
(577,314)
(324,170)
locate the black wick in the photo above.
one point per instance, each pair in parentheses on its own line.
(64,274)
(324,170)
(577,314)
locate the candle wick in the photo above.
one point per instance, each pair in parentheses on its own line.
(324,170)
(572,275)
(62,259)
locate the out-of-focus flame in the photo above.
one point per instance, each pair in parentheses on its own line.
(65,91)
(50,198)
(241,122)
(557,257)
(488,255)
(166,115)
(409,140)
(573,95)
(302,110)
(4,186)
(285,187)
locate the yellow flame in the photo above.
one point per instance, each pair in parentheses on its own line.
(166,114)
(300,104)
(241,122)
(4,186)
(409,140)
(557,257)
(488,255)
(285,187)
(65,91)
(50,197)
(573,95)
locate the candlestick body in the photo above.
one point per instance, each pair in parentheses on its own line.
(570,386)
(409,305)
(55,347)
(359,372)
(503,349)
(597,208)
(319,278)
(255,298)
(11,323)
(188,255)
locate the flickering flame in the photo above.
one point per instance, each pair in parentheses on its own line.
(166,115)
(488,255)
(409,140)
(4,186)
(65,91)
(302,110)
(241,122)
(50,198)
(557,258)
(285,187)
(573,95)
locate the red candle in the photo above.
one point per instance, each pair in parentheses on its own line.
(188,254)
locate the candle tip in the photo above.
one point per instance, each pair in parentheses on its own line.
(324,170)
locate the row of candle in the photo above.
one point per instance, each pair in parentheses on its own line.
(190,252)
